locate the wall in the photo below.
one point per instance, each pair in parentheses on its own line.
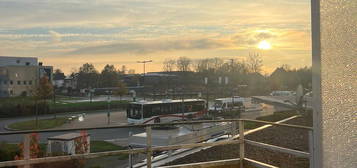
(334,32)
(7,61)
(19,73)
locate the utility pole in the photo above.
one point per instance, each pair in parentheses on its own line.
(144,63)
(207,96)
(232,67)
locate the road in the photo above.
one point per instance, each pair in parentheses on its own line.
(91,119)
(99,118)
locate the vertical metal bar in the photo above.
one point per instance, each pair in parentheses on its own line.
(234,128)
(311,149)
(241,143)
(170,143)
(130,155)
(316,81)
(148,147)
(26,149)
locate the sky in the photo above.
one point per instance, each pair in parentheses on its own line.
(69,33)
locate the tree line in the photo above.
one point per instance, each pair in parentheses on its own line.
(191,73)
(246,76)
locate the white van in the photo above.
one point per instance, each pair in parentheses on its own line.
(229,103)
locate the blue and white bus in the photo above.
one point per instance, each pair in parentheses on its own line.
(165,110)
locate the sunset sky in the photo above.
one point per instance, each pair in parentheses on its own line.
(68,33)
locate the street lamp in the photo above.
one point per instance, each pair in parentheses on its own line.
(144,63)
(109,92)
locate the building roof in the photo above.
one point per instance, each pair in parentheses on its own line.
(66,137)
(18,61)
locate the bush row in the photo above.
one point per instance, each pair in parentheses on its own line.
(26,108)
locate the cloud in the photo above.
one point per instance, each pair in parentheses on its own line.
(144,47)
(253,37)
(55,36)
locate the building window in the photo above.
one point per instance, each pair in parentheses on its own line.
(25,82)
(30,82)
(19,82)
(11,92)
(11,82)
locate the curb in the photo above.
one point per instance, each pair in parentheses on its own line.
(10,129)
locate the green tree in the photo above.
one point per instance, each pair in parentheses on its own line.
(121,89)
(109,76)
(44,91)
(87,76)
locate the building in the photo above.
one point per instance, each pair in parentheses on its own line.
(70,144)
(58,80)
(18,61)
(19,76)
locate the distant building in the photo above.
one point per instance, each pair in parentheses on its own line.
(18,61)
(58,80)
(21,75)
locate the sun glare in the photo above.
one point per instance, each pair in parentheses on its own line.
(264,45)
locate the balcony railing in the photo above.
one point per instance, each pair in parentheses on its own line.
(237,138)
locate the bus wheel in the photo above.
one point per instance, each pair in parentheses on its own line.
(157,120)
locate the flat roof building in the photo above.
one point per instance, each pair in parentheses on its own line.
(19,76)
(18,61)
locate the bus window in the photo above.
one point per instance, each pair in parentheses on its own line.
(134,111)
(156,110)
(198,106)
(148,111)
(239,104)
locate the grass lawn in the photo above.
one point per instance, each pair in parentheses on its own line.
(277,116)
(43,124)
(102,146)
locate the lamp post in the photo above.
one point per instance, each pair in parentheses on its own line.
(207,96)
(144,63)
(108,101)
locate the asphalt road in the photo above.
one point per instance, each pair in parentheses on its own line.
(103,134)
(99,118)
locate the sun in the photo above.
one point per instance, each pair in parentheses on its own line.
(264,45)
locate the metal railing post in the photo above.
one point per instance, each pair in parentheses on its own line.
(148,147)
(26,149)
(311,149)
(130,155)
(234,128)
(241,143)
(170,143)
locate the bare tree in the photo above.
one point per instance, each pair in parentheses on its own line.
(169,65)
(202,65)
(183,64)
(255,63)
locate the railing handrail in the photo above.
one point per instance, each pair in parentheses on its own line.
(149,148)
(156,124)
